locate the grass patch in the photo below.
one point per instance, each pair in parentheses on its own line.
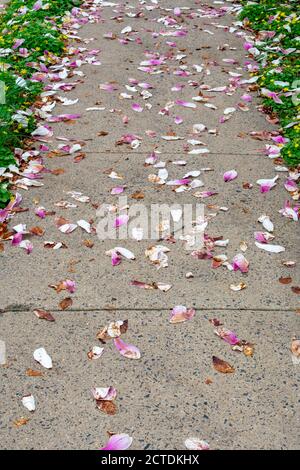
(26,32)
(279,64)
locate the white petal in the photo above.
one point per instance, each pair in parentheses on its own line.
(270,248)
(125,252)
(29,402)
(84,225)
(41,356)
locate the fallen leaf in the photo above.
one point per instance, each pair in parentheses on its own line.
(285,280)
(65,303)
(20,422)
(33,373)
(296,289)
(88,243)
(222,366)
(107,406)
(37,231)
(137,195)
(44,315)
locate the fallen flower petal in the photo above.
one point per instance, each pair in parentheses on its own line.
(267,184)
(42,357)
(121,220)
(230,175)
(270,248)
(118,442)
(180,314)
(29,402)
(239,262)
(44,315)
(193,443)
(127,350)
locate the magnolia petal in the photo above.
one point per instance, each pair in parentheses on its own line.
(267,184)
(29,402)
(227,335)
(263,237)
(118,442)
(67,228)
(237,287)
(95,352)
(121,220)
(180,314)
(193,443)
(270,248)
(124,252)
(185,104)
(127,350)
(266,222)
(239,262)
(42,357)
(84,225)
(230,175)
(104,393)
(136,107)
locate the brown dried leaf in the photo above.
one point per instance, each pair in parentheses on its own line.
(21,422)
(33,373)
(79,157)
(296,289)
(88,243)
(58,171)
(44,315)
(208,381)
(1,247)
(137,195)
(285,280)
(37,231)
(107,406)
(66,303)
(222,366)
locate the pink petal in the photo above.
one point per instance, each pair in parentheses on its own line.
(17,238)
(117,190)
(27,245)
(115,258)
(179,182)
(247,98)
(267,184)
(178,120)
(40,212)
(193,443)
(230,175)
(239,262)
(121,220)
(228,336)
(104,393)
(118,442)
(136,107)
(180,314)
(70,285)
(127,350)
(185,104)
(290,186)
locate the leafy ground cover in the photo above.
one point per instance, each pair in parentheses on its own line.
(276,26)
(30,36)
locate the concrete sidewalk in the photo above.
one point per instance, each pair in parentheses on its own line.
(164,397)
